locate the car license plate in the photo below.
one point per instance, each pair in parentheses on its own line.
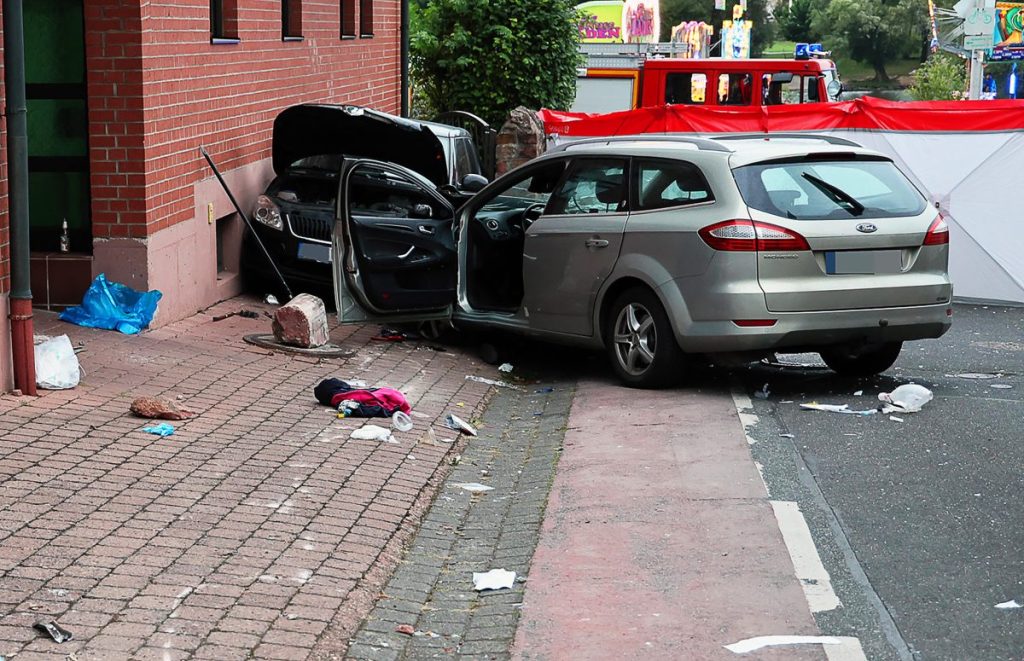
(863,262)
(315,252)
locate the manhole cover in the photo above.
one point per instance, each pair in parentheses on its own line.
(268,341)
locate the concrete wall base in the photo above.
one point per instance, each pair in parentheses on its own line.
(181,261)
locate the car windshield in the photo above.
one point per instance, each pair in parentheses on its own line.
(330,163)
(822,189)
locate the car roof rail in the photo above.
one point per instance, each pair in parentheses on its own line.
(830,139)
(700,143)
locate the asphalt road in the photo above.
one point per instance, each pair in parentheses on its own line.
(918,522)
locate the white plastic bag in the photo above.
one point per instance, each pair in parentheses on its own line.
(56,364)
(908,398)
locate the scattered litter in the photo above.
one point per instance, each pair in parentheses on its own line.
(858,393)
(495,579)
(163,429)
(401,421)
(836,408)
(751,644)
(270,299)
(57,365)
(786,401)
(248,314)
(455,422)
(455,460)
(428,634)
(543,390)
(895,419)
(373,433)
(786,436)
(1006,605)
(492,382)
(157,407)
(976,375)
(54,630)
(291,616)
(475,487)
(407,629)
(389,335)
(763,393)
(908,398)
(113,306)
(353,401)
(1001,386)
(506,368)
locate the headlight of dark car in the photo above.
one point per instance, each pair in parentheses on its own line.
(267,213)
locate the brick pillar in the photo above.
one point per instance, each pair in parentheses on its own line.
(520,139)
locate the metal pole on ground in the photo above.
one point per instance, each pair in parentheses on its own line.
(15,113)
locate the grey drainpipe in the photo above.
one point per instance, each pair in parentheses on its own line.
(15,112)
(405,59)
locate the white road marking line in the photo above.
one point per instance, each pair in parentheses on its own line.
(748,420)
(837,648)
(813,577)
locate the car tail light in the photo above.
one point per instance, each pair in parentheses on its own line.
(750,236)
(938,232)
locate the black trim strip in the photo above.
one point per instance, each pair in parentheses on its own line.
(58,164)
(36,91)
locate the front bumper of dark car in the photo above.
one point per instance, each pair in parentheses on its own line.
(300,251)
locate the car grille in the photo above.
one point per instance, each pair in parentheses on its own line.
(310,227)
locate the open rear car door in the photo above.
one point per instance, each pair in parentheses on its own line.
(395,257)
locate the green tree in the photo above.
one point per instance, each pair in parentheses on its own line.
(873,31)
(796,21)
(674,12)
(489,57)
(943,77)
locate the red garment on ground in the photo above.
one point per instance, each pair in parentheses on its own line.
(389,398)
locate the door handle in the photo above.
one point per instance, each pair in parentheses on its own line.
(424,229)
(596,243)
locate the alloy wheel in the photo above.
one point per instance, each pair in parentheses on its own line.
(636,339)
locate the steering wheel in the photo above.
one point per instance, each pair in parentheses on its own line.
(532,213)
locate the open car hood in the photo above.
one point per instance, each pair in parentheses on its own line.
(312,129)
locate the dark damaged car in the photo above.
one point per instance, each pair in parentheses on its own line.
(295,215)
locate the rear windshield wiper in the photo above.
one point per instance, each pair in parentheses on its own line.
(835,193)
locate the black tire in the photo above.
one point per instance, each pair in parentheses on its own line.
(643,350)
(863,360)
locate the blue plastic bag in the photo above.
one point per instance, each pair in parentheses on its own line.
(113,306)
(163,429)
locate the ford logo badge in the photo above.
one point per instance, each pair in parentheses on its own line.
(867,228)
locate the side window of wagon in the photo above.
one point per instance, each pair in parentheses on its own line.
(669,183)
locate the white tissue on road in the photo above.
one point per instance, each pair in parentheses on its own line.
(496,579)
(908,398)
(836,408)
(975,375)
(751,644)
(506,368)
(1006,605)
(491,382)
(373,433)
(474,487)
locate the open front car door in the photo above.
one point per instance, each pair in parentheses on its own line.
(394,245)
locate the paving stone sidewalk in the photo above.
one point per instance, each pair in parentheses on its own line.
(258,530)
(432,589)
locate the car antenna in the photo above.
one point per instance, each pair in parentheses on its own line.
(248,222)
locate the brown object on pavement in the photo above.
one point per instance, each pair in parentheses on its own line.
(301,322)
(157,407)
(406,629)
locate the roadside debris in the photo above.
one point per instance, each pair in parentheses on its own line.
(455,422)
(475,487)
(976,375)
(401,421)
(506,368)
(407,629)
(158,407)
(301,322)
(270,299)
(1001,386)
(360,402)
(373,433)
(545,390)
(113,306)
(248,314)
(162,429)
(858,393)
(455,461)
(491,382)
(895,419)
(836,408)
(57,365)
(1007,605)
(751,644)
(908,398)
(389,335)
(786,436)
(55,631)
(495,579)
(763,393)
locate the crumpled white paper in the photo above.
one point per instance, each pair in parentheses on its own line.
(373,433)
(496,579)
(475,487)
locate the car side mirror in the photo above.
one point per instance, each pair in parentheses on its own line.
(473,183)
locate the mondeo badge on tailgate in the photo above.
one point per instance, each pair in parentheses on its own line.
(867,228)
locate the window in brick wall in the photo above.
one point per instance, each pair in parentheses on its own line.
(365,18)
(291,19)
(348,19)
(224,21)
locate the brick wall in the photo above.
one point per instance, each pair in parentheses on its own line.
(190,92)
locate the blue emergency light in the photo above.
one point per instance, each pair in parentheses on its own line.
(803,51)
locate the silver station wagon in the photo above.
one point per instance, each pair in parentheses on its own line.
(657,247)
